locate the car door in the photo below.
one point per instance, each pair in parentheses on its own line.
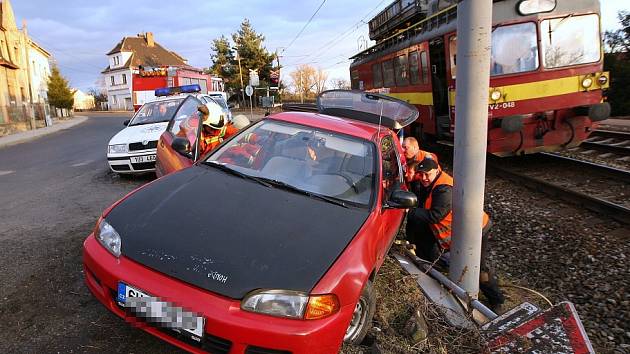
(185,124)
(391,179)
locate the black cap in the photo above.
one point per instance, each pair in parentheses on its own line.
(427,165)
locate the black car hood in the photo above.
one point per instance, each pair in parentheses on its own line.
(231,235)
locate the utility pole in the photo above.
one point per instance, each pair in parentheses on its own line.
(474,27)
(240,70)
(301,89)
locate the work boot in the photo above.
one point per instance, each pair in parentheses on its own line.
(489,286)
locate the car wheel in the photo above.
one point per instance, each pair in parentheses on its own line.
(362,316)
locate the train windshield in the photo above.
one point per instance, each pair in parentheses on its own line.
(514,49)
(570,40)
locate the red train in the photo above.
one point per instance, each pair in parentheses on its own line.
(547,85)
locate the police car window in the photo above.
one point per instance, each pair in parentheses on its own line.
(156,112)
(186,121)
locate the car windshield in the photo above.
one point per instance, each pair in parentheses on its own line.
(317,162)
(220,101)
(156,112)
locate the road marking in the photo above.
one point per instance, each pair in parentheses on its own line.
(2,173)
(82,163)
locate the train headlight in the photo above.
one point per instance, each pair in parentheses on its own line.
(587,82)
(602,80)
(495,95)
(528,7)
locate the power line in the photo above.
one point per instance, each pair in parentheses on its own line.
(303,28)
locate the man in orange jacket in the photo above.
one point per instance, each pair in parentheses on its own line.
(412,151)
(214,130)
(429,225)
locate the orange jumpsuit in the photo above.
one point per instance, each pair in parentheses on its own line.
(209,141)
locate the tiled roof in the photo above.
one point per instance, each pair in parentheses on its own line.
(146,55)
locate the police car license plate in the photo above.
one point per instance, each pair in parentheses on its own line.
(160,312)
(141,159)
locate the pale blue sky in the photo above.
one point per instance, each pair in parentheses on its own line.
(78,33)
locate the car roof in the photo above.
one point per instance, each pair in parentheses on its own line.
(337,124)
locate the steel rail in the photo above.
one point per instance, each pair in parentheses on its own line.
(615,211)
(611,134)
(617,173)
(620,148)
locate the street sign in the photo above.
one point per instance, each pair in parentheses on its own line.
(525,329)
(249,90)
(253,78)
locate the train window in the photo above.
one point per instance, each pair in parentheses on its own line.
(514,49)
(354,79)
(452,49)
(414,66)
(402,72)
(388,74)
(425,67)
(377,75)
(570,40)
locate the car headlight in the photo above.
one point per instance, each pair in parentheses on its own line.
(292,304)
(108,237)
(118,149)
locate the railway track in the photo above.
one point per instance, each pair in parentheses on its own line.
(609,142)
(600,188)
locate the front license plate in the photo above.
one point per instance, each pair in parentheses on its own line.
(141,159)
(160,312)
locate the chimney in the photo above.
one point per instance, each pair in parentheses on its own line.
(149,38)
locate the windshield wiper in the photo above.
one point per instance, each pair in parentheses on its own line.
(295,189)
(234,172)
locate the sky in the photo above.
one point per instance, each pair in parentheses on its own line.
(79,33)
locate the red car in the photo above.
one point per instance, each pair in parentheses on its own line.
(268,245)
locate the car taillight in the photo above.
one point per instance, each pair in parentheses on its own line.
(321,306)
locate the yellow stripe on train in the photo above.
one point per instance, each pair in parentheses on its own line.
(519,92)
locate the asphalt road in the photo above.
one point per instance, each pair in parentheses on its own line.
(52,190)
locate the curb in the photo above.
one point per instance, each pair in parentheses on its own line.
(19,138)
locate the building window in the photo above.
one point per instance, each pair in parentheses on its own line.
(17,58)
(116,60)
(124,78)
(112,80)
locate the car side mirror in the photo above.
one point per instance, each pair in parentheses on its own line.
(126,122)
(400,199)
(182,146)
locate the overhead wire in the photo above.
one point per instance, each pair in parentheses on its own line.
(303,28)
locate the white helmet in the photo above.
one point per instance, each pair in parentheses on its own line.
(212,115)
(240,121)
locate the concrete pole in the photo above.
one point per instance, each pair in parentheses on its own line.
(474,27)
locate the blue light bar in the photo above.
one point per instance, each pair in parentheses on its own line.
(167,91)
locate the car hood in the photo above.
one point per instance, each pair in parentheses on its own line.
(231,235)
(138,133)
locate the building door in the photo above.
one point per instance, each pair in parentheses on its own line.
(128,104)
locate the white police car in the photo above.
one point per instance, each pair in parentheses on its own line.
(133,149)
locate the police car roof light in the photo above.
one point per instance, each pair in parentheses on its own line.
(167,91)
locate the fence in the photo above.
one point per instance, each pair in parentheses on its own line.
(17,117)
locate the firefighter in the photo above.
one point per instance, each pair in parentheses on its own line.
(214,128)
(429,225)
(412,151)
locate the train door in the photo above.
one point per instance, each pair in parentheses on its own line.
(437,55)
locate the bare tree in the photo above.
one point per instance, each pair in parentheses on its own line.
(320,80)
(304,80)
(341,84)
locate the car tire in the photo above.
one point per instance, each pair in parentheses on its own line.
(362,317)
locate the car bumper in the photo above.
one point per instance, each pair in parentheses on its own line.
(122,163)
(228,329)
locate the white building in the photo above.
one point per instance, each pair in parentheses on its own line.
(40,71)
(83,101)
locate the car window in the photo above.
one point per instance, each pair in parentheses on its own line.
(390,166)
(317,161)
(186,121)
(155,112)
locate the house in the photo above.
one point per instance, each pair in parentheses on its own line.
(24,70)
(138,65)
(83,101)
